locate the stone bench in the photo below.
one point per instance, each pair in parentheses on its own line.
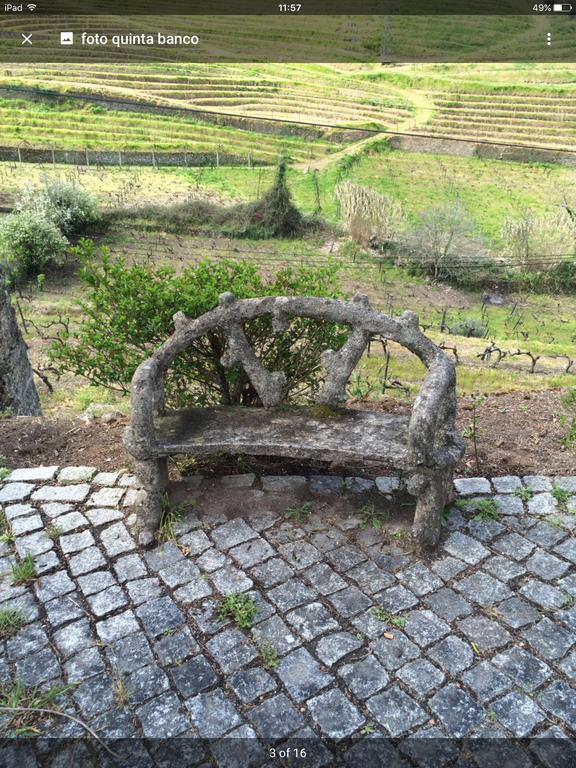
(424,446)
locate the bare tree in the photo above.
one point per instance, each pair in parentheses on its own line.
(445,242)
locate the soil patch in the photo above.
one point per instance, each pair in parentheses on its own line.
(519,433)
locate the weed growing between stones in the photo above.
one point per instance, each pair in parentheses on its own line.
(53,532)
(11,622)
(370,517)
(24,572)
(561,495)
(122,693)
(24,707)
(171,515)
(387,618)
(446,514)
(269,656)
(487,509)
(524,494)
(4,471)
(6,535)
(299,512)
(240,608)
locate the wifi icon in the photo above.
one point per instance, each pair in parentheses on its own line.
(31,7)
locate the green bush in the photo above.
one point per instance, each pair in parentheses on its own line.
(28,244)
(70,207)
(560,278)
(470,327)
(128,312)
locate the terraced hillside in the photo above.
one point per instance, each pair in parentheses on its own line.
(505,103)
(73,125)
(516,104)
(522,118)
(306,93)
(250,110)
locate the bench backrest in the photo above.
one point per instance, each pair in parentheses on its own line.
(231,314)
(433,414)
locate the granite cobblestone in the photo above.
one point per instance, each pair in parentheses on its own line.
(480,637)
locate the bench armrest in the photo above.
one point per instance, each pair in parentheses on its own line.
(433,420)
(147,398)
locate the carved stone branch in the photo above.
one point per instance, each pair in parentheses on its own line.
(340,364)
(271,386)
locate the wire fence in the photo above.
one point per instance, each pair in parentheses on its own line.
(98,158)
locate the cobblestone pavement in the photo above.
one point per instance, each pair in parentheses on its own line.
(354,638)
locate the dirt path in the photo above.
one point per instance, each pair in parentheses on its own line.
(423,111)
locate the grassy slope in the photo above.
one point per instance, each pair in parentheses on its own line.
(490,189)
(514,103)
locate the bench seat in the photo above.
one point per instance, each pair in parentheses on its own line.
(341,435)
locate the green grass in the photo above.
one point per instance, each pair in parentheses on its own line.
(24,572)
(72,126)
(11,622)
(168,522)
(15,695)
(490,190)
(172,514)
(486,509)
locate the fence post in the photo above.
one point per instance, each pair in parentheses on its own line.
(154,158)
(19,155)
(87,158)
(120,158)
(217,159)
(53,157)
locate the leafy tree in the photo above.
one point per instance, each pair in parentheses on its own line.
(70,207)
(128,313)
(29,244)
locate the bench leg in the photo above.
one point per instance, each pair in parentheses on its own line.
(153,475)
(433,491)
